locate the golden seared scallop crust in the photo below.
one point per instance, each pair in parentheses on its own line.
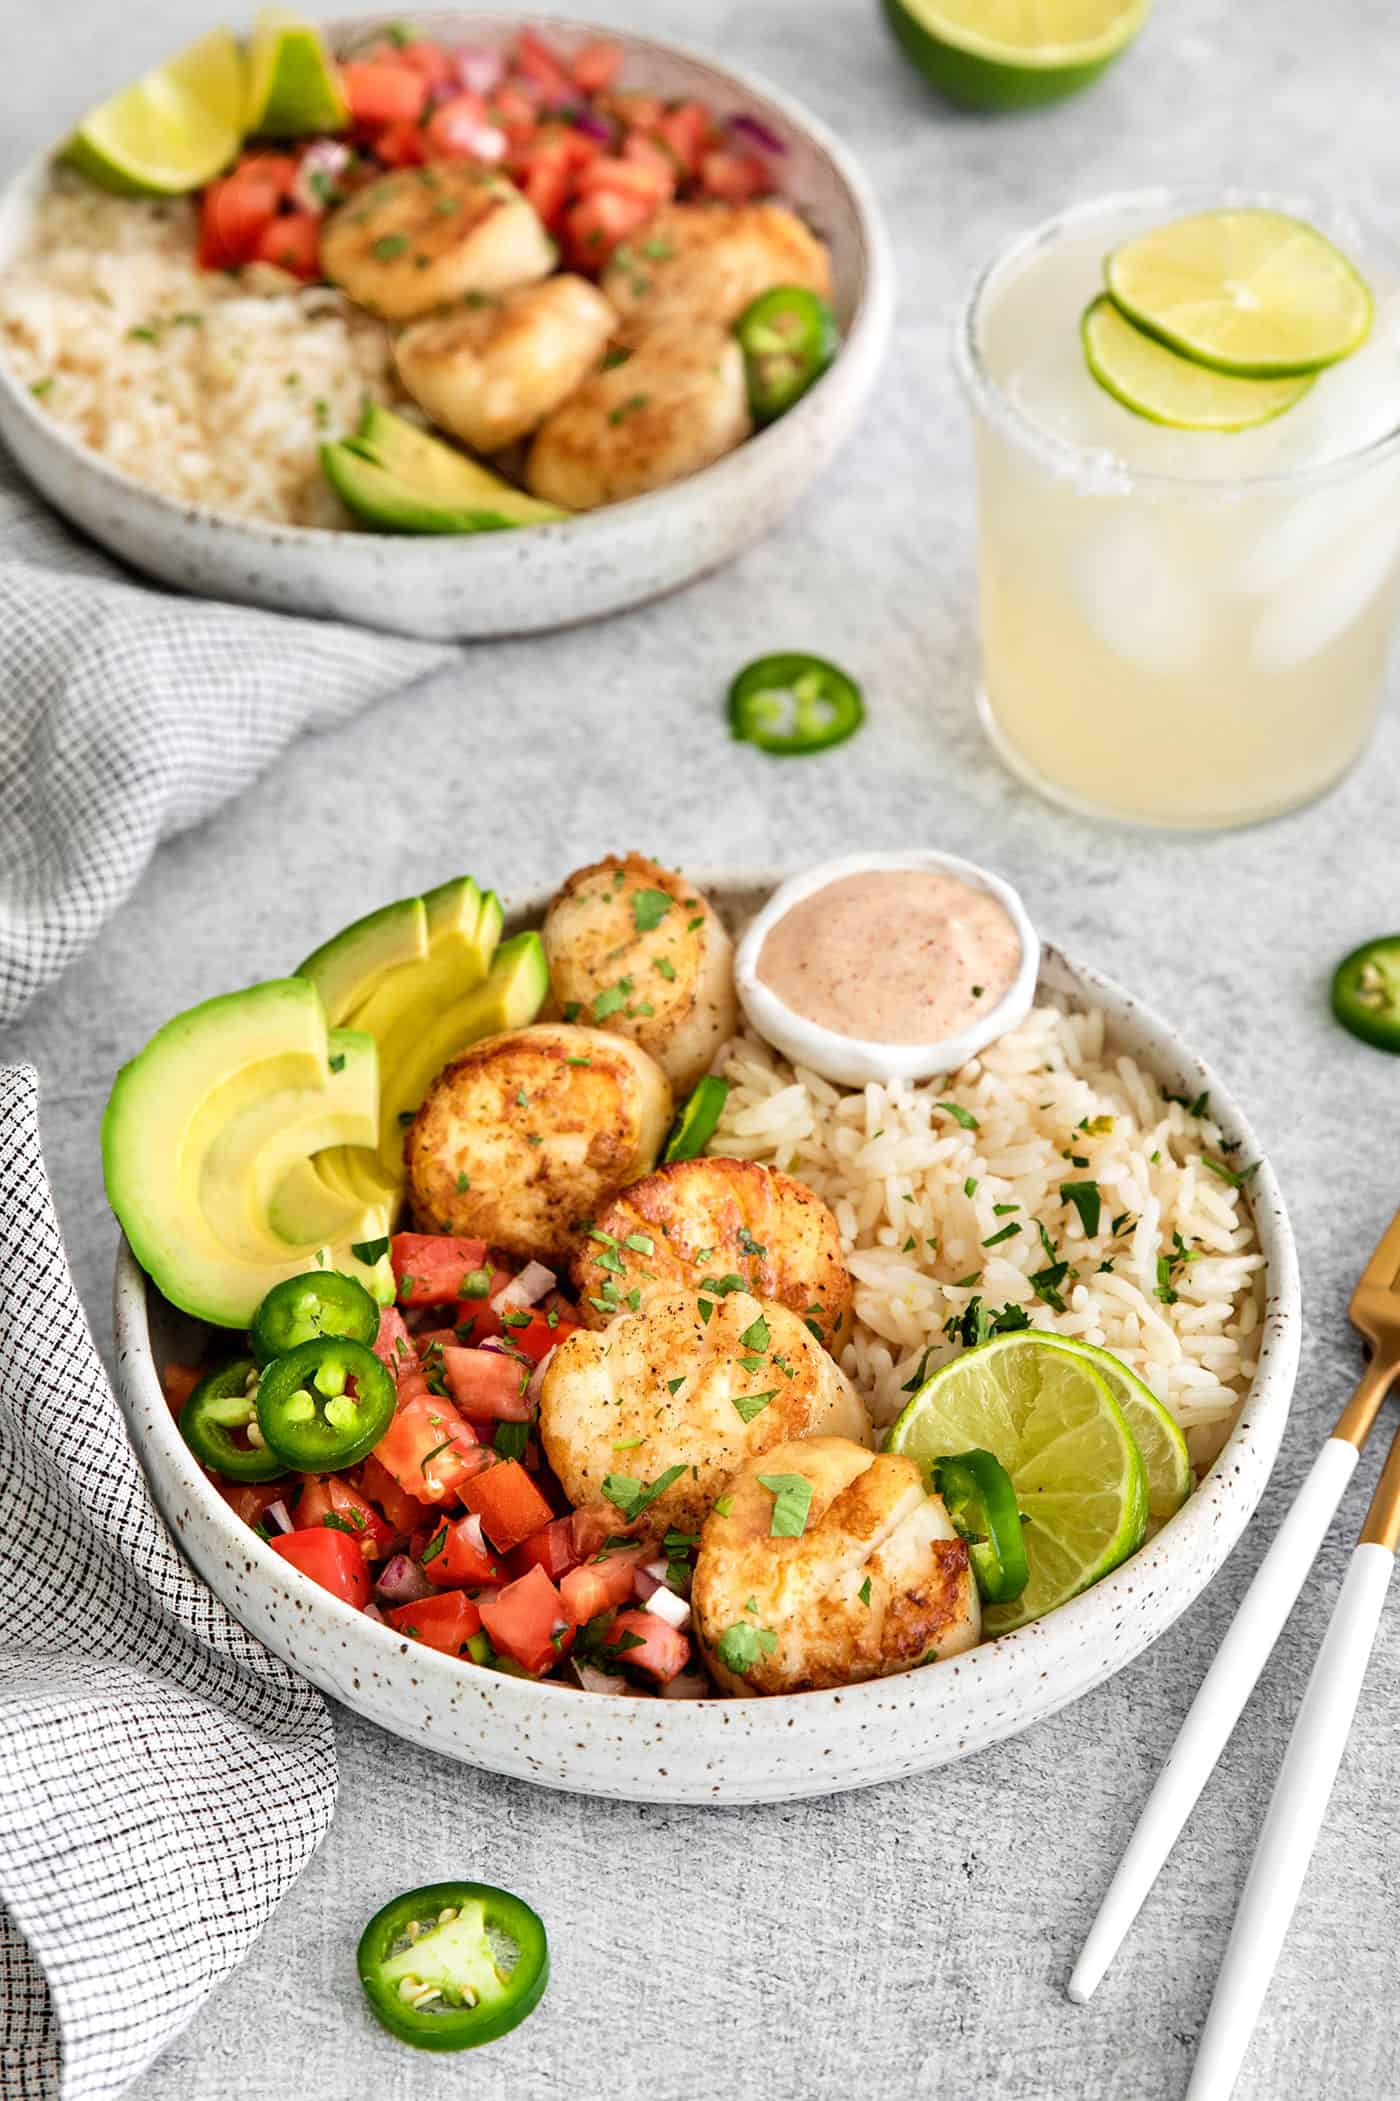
(530,1132)
(877,1582)
(492,370)
(707,262)
(726,1223)
(667,1388)
(679,403)
(424,237)
(635,948)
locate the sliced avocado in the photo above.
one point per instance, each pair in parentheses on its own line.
(510,999)
(346,968)
(395,476)
(262,1055)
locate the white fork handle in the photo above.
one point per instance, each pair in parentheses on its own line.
(1295,1816)
(1217,1706)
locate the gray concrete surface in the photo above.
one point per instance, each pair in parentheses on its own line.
(913,1940)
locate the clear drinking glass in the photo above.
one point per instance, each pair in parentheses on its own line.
(1178,628)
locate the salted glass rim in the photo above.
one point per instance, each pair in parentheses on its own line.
(1357,237)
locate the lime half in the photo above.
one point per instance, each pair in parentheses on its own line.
(1156,1435)
(1009,54)
(1157,383)
(1056,1428)
(1248,291)
(173,129)
(293,85)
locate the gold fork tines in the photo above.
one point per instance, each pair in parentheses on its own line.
(1375,1313)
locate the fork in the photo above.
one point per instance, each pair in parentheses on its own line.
(1305,1781)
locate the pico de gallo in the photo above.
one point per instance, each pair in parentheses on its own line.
(390,1455)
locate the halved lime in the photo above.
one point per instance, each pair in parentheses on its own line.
(1157,1436)
(1157,383)
(170,131)
(1009,54)
(1246,290)
(293,84)
(1053,1423)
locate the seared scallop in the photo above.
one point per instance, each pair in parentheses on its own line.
(864,1578)
(637,949)
(677,404)
(528,1134)
(668,1391)
(712,1226)
(425,237)
(492,370)
(707,262)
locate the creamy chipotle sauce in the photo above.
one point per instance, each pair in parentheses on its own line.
(894,955)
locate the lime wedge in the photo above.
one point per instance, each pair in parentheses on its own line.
(1009,54)
(293,84)
(1056,1428)
(173,129)
(1157,1436)
(1247,291)
(1157,383)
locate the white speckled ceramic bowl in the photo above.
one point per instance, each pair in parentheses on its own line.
(525,582)
(650,1750)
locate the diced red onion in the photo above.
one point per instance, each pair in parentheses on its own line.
(402,1582)
(757,133)
(594,1680)
(328,158)
(483,141)
(665,1605)
(593,126)
(479,71)
(372,1612)
(645,1584)
(526,1289)
(497,1344)
(278,1514)
(471,1530)
(536,1385)
(686,1685)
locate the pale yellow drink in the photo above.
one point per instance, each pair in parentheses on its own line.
(1181,628)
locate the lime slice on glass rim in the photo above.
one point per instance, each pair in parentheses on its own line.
(1248,291)
(172,130)
(1155,382)
(1011,54)
(1155,1433)
(293,85)
(1051,1420)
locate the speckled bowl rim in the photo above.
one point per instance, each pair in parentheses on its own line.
(1057,1652)
(869,323)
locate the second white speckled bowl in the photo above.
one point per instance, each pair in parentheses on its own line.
(650,1750)
(548,576)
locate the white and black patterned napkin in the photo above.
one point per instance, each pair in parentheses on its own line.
(163,1779)
(128,713)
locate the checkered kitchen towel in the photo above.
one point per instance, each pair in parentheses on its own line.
(163,1779)
(127,714)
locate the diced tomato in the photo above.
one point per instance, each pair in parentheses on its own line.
(643,111)
(327,1496)
(508,1503)
(548,184)
(651,179)
(403,145)
(234,216)
(403,1513)
(597,1585)
(597,66)
(180,1381)
(735,177)
(553,1548)
(436,65)
(597,223)
(535,1338)
(429,1450)
(686,131)
(293,243)
(331,1559)
(383,91)
(429,1267)
(592,1523)
(445,1623)
(644,152)
(527,1623)
(663,1650)
(537,62)
(459,1559)
(514,112)
(393,1342)
(488,1385)
(251,1500)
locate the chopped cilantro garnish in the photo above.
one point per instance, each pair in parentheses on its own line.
(1087,1202)
(1045,1283)
(434,1547)
(633,1497)
(757,1335)
(463,1184)
(723,1505)
(369,1251)
(740,1646)
(388,246)
(675,1385)
(792,1499)
(921,1373)
(609,1001)
(649,908)
(748,1405)
(1236,1177)
(640,1243)
(864,1592)
(476,1284)
(959,1115)
(1006,1233)
(666,967)
(970,1186)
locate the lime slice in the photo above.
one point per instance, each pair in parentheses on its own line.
(1056,1428)
(1157,1437)
(1008,54)
(173,129)
(1247,291)
(1155,382)
(293,85)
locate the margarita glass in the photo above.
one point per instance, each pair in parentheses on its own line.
(1183,628)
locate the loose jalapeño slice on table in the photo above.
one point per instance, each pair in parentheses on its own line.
(790,704)
(299,1309)
(454,1964)
(981,1505)
(325,1405)
(220,1405)
(1366,992)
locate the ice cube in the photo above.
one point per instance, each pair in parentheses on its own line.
(1318,609)
(1309,525)
(1137,600)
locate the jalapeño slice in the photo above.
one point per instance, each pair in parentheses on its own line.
(1366,992)
(224,1402)
(790,704)
(454,1964)
(788,336)
(323,1302)
(695,1126)
(325,1405)
(981,1505)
